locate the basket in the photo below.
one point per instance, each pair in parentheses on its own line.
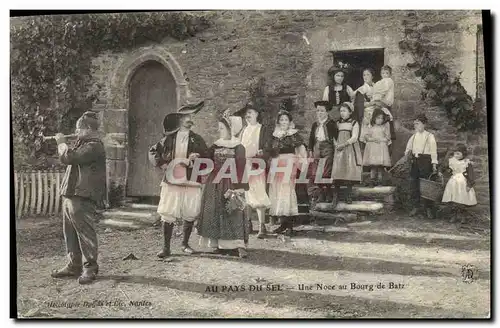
(432,190)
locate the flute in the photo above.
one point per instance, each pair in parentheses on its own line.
(54,137)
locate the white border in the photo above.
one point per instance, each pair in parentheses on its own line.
(193,4)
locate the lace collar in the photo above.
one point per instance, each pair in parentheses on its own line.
(349,120)
(322,122)
(281,134)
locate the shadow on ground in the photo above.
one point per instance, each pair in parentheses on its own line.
(354,237)
(289,260)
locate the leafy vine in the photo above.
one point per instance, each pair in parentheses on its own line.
(51,63)
(441,89)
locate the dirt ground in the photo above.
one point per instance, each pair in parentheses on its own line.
(389,266)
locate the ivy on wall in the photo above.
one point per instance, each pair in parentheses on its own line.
(441,89)
(50,68)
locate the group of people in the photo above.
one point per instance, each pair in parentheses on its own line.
(222,209)
(347,122)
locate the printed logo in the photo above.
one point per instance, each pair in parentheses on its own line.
(469,273)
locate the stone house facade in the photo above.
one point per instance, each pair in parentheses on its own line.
(291,51)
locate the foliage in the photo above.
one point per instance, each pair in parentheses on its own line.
(50,67)
(441,89)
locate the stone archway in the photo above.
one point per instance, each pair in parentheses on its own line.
(117,113)
(124,72)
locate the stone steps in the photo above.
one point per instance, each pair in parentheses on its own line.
(366,201)
(356,206)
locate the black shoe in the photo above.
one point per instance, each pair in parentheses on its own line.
(280,229)
(163,253)
(262,232)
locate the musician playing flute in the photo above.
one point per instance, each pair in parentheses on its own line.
(83,191)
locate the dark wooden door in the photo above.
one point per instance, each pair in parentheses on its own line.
(152,96)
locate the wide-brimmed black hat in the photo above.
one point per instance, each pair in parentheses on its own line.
(171,123)
(249,105)
(191,108)
(324,103)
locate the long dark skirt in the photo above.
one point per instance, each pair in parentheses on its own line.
(215,222)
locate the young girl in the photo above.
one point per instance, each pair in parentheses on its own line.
(383,95)
(377,138)
(459,190)
(347,160)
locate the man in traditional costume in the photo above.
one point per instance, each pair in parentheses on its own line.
(83,191)
(180,197)
(255,138)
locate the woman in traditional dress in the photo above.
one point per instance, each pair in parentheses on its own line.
(222,221)
(287,151)
(347,161)
(337,91)
(363,95)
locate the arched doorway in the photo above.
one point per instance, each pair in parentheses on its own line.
(152,95)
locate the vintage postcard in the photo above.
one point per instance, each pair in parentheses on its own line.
(251,164)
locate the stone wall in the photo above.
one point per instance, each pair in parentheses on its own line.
(292,51)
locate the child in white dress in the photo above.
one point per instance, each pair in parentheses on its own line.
(383,96)
(376,155)
(459,190)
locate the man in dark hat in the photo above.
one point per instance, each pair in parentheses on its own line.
(180,198)
(421,151)
(324,132)
(83,191)
(255,137)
